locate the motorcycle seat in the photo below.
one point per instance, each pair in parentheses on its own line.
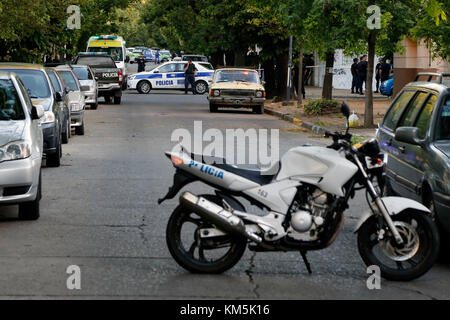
(258,176)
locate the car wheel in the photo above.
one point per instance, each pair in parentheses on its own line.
(107,99)
(94,106)
(144,87)
(65,135)
(80,130)
(117,100)
(201,87)
(212,107)
(54,160)
(30,210)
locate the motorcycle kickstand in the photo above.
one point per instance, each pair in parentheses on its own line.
(305,260)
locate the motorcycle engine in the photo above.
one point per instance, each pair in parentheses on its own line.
(306,222)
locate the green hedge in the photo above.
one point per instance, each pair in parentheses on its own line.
(321,106)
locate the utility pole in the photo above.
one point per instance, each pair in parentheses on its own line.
(288,87)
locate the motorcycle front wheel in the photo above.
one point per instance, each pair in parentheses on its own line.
(403,262)
(201,255)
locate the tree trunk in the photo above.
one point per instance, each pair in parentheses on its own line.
(300,76)
(368,114)
(327,91)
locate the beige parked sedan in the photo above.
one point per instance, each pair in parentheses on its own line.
(236,88)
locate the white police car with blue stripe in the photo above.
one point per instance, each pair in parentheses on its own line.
(170,75)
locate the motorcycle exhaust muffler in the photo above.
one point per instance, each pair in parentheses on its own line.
(223,219)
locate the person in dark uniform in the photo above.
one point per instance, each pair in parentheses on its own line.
(141,63)
(385,71)
(189,76)
(362,73)
(355,77)
(378,73)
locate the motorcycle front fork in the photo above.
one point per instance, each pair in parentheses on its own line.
(379,202)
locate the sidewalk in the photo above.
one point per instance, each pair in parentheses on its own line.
(316,93)
(331,122)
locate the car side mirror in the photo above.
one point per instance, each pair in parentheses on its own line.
(127,59)
(37,112)
(96,78)
(263,83)
(58,97)
(85,88)
(408,135)
(156,71)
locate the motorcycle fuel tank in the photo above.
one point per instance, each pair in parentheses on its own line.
(326,168)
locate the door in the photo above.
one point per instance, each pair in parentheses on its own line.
(168,77)
(411,158)
(386,137)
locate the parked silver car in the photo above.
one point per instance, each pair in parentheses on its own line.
(21,147)
(88,82)
(77,101)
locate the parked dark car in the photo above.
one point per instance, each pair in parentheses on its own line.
(415,135)
(37,82)
(58,85)
(110,78)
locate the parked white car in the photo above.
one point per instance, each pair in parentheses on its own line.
(21,147)
(170,75)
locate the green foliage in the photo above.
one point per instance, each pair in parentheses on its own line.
(32,29)
(320,106)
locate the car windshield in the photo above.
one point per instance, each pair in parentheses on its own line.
(10,106)
(97,61)
(166,53)
(237,75)
(114,52)
(82,73)
(69,80)
(443,126)
(35,81)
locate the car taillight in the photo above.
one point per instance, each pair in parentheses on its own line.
(120,75)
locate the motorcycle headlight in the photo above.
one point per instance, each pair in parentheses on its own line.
(75,106)
(216,93)
(49,117)
(259,94)
(15,151)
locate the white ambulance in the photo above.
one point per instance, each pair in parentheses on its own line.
(113,46)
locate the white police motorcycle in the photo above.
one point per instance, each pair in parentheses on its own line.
(302,209)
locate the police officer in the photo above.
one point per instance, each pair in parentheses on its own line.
(189,76)
(362,73)
(355,76)
(141,63)
(378,73)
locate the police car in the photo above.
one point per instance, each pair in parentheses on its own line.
(170,75)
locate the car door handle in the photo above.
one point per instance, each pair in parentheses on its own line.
(402,149)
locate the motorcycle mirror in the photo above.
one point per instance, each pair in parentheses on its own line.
(345,109)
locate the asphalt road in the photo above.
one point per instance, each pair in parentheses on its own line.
(99,211)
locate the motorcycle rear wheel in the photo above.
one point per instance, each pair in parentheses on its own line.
(401,263)
(194,258)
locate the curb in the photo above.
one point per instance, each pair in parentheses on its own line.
(297,121)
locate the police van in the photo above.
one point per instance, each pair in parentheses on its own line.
(113,46)
(170,75)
